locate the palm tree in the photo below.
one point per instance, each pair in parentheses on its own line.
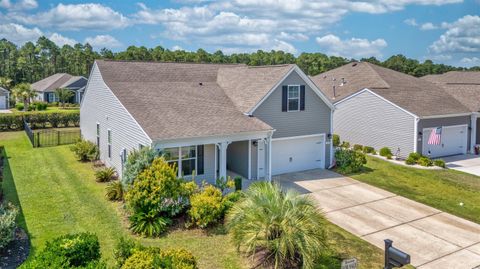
(25,93)
(277,229)
(64,95)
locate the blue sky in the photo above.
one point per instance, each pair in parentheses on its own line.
(446,31)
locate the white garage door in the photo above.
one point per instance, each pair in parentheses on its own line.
(3,102)
(298,154)
(453,141)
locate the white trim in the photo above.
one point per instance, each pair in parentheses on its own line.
(297,137)
(377,95)
(113,94)
(269,175)
(473,131)
(415,134)
(297,98)
(305,78)
(446,116)
(447,127)
(331,139)
(249,159)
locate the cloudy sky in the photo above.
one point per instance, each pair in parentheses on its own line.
(446,31)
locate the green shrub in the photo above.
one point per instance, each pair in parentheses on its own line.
(425,161)
(367,149)
(19,106)
(415,156)
(77,249)
(206,207)
(85,150)
(238,183)
(358,147)
(149,224)
(155,258)
(41,119)
(105,175)
(114,191)
(336,140)
(40,106)
(178,258)
(124,248)
(144,259)
(278,228)
(389,156)
(385,151)
(232,198)
(345,145)
(410,160)
(223,183)
(349,161)
(8,213)
(439,163)
(137,161)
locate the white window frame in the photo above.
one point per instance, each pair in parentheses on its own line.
(109,143)
(293,98)
(180,160)
(52,97)
(124,155)
(98,134)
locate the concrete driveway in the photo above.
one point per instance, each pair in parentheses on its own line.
(434,239)
(465,163)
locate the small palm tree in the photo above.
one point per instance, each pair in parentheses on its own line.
(64,95)
(25,93)
(277,229)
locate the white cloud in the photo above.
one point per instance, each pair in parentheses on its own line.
(75,17)
(462,36)
(62,40)
(428,26)
(284,46)
(19,34)
(103,41)
(18,5)
(411,22)
(472,60)
(292,36)
(176,47)
(351,48)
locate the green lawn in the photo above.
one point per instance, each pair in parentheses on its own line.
(58,195)
(443,189)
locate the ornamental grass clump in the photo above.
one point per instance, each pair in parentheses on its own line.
(277,229)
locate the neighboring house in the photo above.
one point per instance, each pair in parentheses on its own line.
(209,119)
(379,107)
(4,98)
(465,87)
(46,87)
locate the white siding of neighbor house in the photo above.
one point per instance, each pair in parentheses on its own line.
(100,105)
(369,120)
(315,119)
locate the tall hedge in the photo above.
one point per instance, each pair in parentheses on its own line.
(39,120)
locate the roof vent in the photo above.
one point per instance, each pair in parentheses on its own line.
(334,92)
(201,83)
(343,82)
(354,64)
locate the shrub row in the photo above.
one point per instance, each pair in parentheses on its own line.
(349,161)
(14,121)
(417,158)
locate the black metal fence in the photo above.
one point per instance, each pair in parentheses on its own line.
(53,137)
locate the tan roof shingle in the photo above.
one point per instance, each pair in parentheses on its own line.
(53,82)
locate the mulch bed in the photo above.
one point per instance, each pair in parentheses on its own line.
(16,252)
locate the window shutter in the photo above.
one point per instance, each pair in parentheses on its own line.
(200,160)
(302,97)
(284,98)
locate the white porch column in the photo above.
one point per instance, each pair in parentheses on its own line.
(223,159)
(249,159)
(268,157)
(473,132)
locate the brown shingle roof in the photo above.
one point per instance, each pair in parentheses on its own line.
(416,95)
(247,85)
(176,100)
(463,85)
(53,82)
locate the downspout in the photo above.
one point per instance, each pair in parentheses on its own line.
(415,134)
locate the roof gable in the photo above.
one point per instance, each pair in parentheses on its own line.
(59,80)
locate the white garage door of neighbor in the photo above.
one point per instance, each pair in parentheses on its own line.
(453,141)
(298,154)
(3,102)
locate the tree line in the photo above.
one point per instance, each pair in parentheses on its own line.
(34,61)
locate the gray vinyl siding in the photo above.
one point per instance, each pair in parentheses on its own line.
(369,120)
(100,105)
(448,121)
(315,119)
(237,158)
(254,167)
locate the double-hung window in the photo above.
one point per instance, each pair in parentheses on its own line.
(293,98)
(185,159)
(109,142)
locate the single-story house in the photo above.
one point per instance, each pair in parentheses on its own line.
(380,107)
(46,87)
(4,98)
(211,120)
(465,87)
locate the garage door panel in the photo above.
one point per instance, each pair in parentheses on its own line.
(298,154)
(3,102)
(453,142)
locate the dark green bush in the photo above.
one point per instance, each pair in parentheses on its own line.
(336,140)
(124,248)
(77,249)
(149,224)
(85,150)
(367,149)
(8,213)
(40,106)
(415,156)
(19,106)
(349,161)
(385,152)
(105,174)
(137,161)
(425,161)
(345,145)
(45,119)
(358,147)
(114,191)
(155,258)
(230,199)
(238,183)
(439,163)
(206,207)
(410,161)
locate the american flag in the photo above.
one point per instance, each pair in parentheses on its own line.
(435,136)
